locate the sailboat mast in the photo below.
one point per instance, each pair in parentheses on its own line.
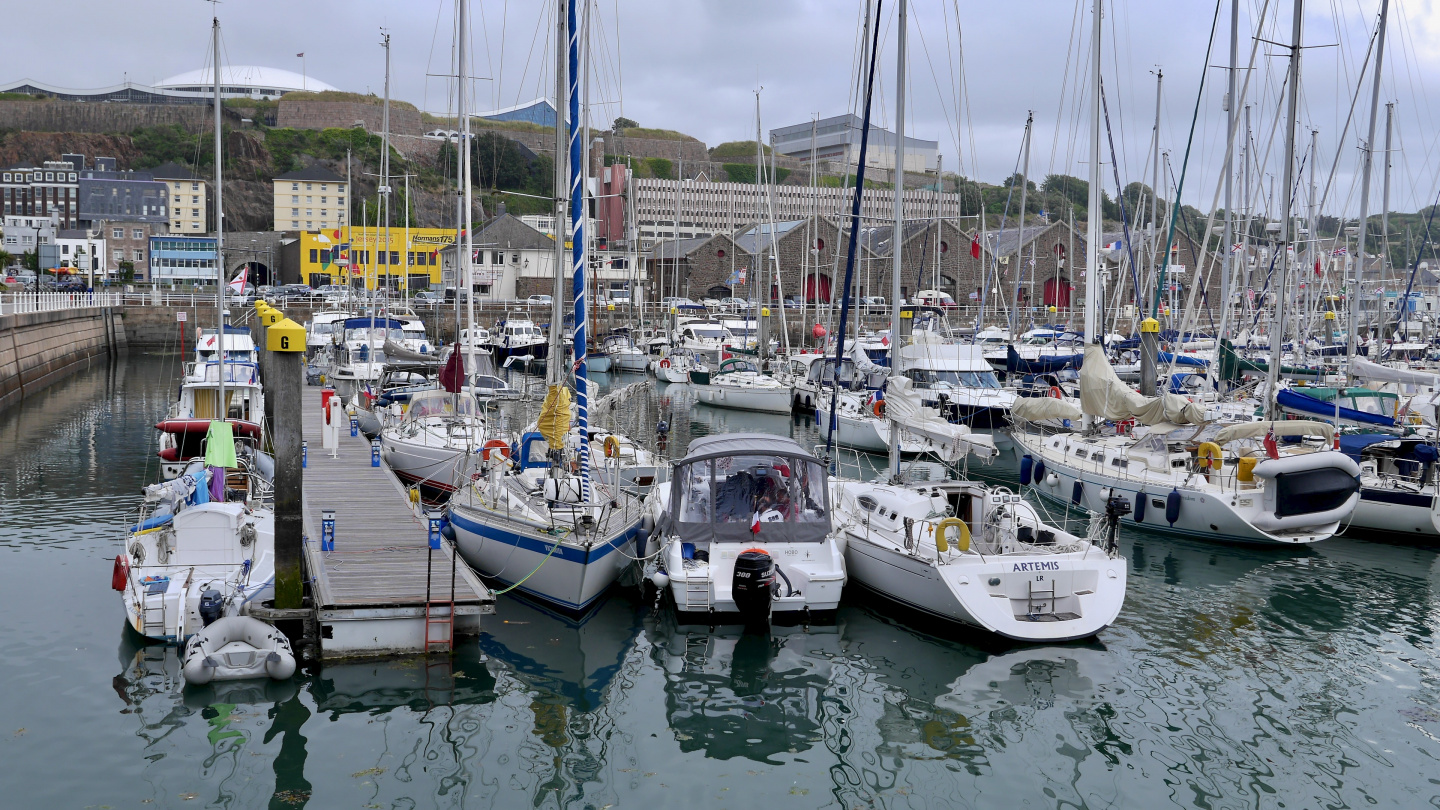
(898,237)
(1357,275)
(1277,335)
(1020,239)
(466,252)
(1227,260)
(385,155)
(578,249)
(1155,189)
(1385,203)
(554,366)
(219,233)
(1095,211)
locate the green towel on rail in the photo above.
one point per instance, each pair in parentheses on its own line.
(220,445)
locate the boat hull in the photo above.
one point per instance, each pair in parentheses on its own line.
(764,400)
(433,468)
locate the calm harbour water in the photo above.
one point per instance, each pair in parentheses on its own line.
(1235,677)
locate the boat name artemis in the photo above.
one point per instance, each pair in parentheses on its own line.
(1037,566)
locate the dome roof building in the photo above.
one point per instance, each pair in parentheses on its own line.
(241,81)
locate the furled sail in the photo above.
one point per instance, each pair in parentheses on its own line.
(948,441)
(554,421)
(1366,370)
(1104,396)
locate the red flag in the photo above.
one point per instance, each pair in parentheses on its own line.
(975,247)
(755,523)
(1317,268)
(1272,449)
(452,376)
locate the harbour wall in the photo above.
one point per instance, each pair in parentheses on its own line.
(40,348)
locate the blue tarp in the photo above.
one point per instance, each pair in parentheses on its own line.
(1183,360)
(1046,364)
(1291,399)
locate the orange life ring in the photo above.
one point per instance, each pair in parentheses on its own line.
(878,408)
(120,575)
(493,445)
(1056,393)
(665,363)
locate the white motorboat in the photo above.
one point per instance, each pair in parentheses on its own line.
(517,339)
(190,558)
(187,421)
(704,337)
(740,385)
(744,528)
(359,356)
(979,556)
(325,329)
(433,444)
(956,379)
(623,354)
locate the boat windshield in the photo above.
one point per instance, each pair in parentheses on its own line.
(928,378)
(440,404)
(708,333)
(738,498)
(379,334)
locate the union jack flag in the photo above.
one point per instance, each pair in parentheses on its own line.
(1340,251)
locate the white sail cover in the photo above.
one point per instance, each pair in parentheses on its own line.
(948,441)
(1366,370)
(395,351)
(1038,409)
(1281,428)
(1105,396)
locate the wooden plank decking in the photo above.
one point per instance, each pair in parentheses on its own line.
(381,545)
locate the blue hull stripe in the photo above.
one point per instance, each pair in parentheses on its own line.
(1396,497)
(539,546)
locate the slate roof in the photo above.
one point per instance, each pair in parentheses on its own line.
(313,172)
(172,171)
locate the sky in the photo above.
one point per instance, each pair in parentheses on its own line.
(975,71)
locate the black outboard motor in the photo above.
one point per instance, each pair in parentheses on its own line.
(211,606)
(753,585)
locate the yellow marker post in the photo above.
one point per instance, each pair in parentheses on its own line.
(272,317)
(285,335)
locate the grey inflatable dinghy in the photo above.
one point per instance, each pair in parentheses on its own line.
(237,647)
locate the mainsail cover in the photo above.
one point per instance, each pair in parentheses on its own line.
(950,442)
(398,351)
(1038,409)
(554,420)
(1104,396)
(1366,370)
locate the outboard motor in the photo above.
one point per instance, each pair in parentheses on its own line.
(211,606)
(753,585)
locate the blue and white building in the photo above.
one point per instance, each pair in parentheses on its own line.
(182,259)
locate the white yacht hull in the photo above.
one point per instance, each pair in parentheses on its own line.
(765,400)
(438,468)
(815,571)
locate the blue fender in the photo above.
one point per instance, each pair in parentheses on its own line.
(1140,507)
(1172,506)
(1027,464)
(1077,492)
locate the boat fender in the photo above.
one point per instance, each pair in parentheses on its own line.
(660,579)
(1172,506)
(1027,466)
(1052,480)
(447,530)
(120,574)
(1077,492)
(1140,507)
(1039,471)
(962,540)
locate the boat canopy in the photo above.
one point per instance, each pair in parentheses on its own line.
(1366,370)
(1036,409)
(1045,364)
(1104,395)
(377,323)
(437,402)
(749,488)
(1282,428)
(1233,366)
(1360,405)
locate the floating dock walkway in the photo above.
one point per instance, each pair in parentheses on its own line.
(382,590)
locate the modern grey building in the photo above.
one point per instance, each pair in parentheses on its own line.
(837,141)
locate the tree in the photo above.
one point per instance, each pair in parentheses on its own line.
(30,260)
(622,123)
(6,259)
(127,270)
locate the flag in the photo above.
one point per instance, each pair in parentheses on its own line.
(1317,268)
(1340,251)
(975,247)
(1271,448)
(452,376)
(238,285)
(755,523)
(299,56)
(1237,247)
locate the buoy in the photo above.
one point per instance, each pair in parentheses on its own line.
(660,578)
(1027,464)
(121,573)
(817,331)
(1076,492)
(665,363)
(1172,506)
(492,446)
(879,408)
(962,542)
(612,446)
(1210,456)
(1140,507)
(1052,480)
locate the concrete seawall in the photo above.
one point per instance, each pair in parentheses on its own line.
(39,348)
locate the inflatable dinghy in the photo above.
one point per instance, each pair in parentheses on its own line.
(236,647)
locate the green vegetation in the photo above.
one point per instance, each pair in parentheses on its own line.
(736,149)
(622,123)
(656,134)
(163,144)
(337,95)
(745,173)
(498,165)
(22,97)
(287,145)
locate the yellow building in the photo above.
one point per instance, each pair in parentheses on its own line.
(189,196)
(369,257)
(313,198)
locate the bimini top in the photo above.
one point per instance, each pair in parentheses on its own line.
(731,444)
(749,488)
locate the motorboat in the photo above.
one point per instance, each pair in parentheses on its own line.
(739,384)
(359,356)
(202,546)
(704,337)
(957,379)
(675,365)
(325,329)
(623,354)
(517,339)
(744,531)
(187,421)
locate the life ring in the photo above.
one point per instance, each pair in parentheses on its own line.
(962,543)
(1056,393)
(1210,456)
(120,575)
(665,363)
(491,446)
(612,446)
(878,408)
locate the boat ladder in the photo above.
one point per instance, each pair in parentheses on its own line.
(1042,598)
(697,593)
(439,613)
(152,610)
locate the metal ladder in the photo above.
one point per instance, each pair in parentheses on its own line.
(439,613)
(151,604)
(697,593)
(1045,595)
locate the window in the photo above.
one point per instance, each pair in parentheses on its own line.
(194,212)
(294,223)
(194,226)
(194,186)
(339,200)
(496,257)
(324,257)
(394,257)
(295,199)
(322,186)
(314,255)
(139,255)
(196,201)
(309,225)
(322,200)
(340,187)
(64,248)
(309,212)
(117,233)
(294,212)
(322,213)
(50,177)
(139,233)
(381,256)
(294,186)
(309,200)
(119,255)
(307,186)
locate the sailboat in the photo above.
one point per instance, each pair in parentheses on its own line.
(1182,473)
(537,519)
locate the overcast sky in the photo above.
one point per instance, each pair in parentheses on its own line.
(693,65)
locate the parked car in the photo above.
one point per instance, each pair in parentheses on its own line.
(295,292)
(710,303)
(539,300)
(428,298)
(872,303)
(734,305)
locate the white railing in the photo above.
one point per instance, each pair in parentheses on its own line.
(18,303)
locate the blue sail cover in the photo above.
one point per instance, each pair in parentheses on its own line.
(1293,400)
(1183,360)
(1045,364)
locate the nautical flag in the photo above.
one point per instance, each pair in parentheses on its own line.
(299,56)
(238,285)
(975,247)
(452,376)
(1237,247)
(1340,251)
(755,523)
(1318,272)
(1272,449)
